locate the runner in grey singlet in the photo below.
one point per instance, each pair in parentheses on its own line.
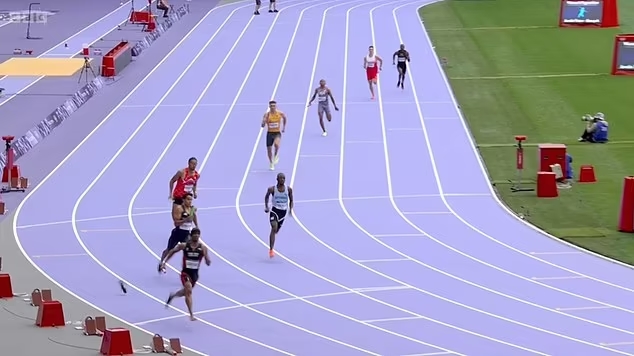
(322,101)
(323,96)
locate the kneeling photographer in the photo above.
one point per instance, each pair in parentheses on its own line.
(596,130)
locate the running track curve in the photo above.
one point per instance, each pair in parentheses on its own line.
(398,246)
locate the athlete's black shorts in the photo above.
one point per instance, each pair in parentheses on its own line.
(258,2)
(189,275)
(278,216)
(402,66)
(270,138)
(178,236)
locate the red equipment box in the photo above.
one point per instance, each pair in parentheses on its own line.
(623,55)
(588,13)
(551,153)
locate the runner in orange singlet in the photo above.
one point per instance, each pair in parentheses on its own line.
(275,123)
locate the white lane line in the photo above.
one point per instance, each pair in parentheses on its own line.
(205,160)
(426,212)
(162,210)
(60,255)
(393,319)
(398,235)
(281,103)
(584,308)
(558,253)
(503,206)
(556,278)
(273,301)
(384,260)
(72,153)
(617,344)
(105,230)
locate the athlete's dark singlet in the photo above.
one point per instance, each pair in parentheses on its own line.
(192,257)
(402,57)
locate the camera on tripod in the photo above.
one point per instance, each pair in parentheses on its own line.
(587,117)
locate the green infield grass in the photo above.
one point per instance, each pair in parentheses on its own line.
(514,72)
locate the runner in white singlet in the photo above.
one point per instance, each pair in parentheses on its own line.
(372,64)
(282,205)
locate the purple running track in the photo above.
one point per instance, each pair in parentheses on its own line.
(398,245)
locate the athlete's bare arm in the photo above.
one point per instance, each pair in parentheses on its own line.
(195,188)
(394,57)
(195,217)
(283,121)
(265,119)
(332,98)
(179,247)
(173,181)
(269,192)
(312,98)
(176,216)
(365,62)
(206,254)
(290,201)
(380,60)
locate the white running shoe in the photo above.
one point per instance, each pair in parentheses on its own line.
(272,166)
(324,133)
(276,159)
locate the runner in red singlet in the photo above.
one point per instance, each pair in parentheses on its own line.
(372,64)
(185,181)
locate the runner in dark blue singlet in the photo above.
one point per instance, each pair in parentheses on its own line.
(402,56)
(193,253)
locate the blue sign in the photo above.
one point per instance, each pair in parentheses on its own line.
(625,56)
(588,12)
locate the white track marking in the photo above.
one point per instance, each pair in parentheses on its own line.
(399,235)
(249,169)
(506,208)
(392,319)
(556,278)
(60,255)
(584,308)
(206,159)
(618,343)
(426,212)
(281,103)
(13,95)
(43,182)
(266,302)
(161,209)
(384,260)
(558,253)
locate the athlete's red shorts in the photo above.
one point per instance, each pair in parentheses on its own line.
(189,276)
(372,73)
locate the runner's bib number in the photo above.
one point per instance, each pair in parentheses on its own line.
(189,264)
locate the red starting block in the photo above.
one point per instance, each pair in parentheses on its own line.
(6,290)
(50,314)
(39,296)
(94,326)
(116,341)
